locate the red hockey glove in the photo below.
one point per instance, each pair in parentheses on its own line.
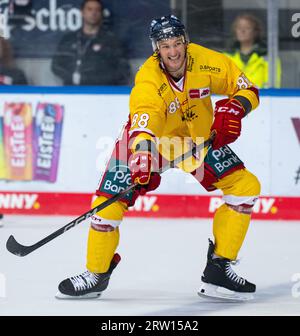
(142,167)
(227,122)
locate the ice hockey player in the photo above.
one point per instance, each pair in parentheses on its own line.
(170,104)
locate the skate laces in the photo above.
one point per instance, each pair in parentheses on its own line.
(231,273)
(85,280)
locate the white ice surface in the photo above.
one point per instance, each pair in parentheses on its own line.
(160,270)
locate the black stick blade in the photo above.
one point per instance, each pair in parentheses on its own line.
(16,248)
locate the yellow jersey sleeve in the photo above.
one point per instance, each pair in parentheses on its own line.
(235,84)
(147,108)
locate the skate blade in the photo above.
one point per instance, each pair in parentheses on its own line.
(216,292)
(89,296)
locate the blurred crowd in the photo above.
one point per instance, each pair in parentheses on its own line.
(93,54)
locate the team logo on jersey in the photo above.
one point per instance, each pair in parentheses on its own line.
(199,93)
(189,114)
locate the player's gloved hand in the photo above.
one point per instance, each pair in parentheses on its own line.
(143,169)
(227,123)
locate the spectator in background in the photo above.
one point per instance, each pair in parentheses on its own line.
(91,56)
(9,73)
(249,52)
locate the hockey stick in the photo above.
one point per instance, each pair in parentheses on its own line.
(22,250)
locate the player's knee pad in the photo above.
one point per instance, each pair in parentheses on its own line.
(241,208)
(109,218)
(103,224)
(242,204)
(243,193)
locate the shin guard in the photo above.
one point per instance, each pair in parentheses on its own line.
(229,228)
(101,249)
(104,235)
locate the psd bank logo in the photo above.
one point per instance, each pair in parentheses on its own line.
(2,285)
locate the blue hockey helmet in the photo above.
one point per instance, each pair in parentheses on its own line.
(166,27)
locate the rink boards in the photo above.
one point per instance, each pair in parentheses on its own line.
(54,144)
(152,205)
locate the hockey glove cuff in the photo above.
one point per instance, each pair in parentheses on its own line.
(227,122)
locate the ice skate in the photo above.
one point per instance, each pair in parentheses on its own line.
(87,285)
(221,282)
